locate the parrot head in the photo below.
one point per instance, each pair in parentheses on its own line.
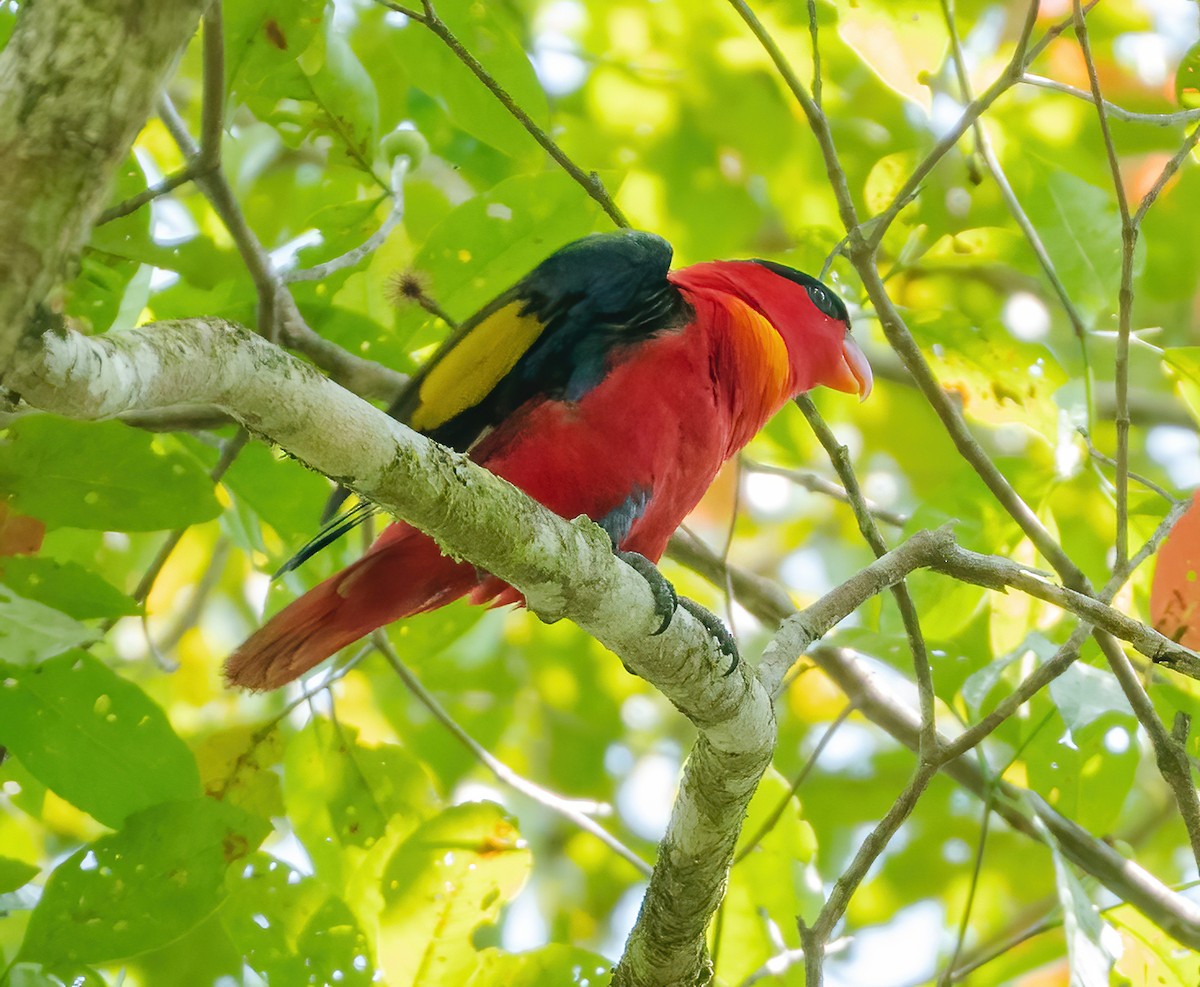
(810,318)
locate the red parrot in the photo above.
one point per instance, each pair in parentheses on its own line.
(602,383)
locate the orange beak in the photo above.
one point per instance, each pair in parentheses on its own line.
(853,373)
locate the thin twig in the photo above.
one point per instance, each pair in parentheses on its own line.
(1170,756)
(212,108)
(811,762)
(845,886)
(570,809)
(1013,204)
(1166,175)
(197,597)
(785,959)
(863,257)
(1129,233)
(216,188)
(278,315)
(840,458)
(590,183)
(376,240)
(1114,111)
(1066,655)
(816,483)
(816,52)
(1136,477)
(964,922)
(878,704)
(1023,54)
(306,697)
(207,156)
(135,202)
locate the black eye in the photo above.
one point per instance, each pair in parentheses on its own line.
(824,300)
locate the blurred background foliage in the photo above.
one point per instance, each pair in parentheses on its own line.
(369,844)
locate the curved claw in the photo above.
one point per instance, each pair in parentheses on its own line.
(716,627)
(665,597)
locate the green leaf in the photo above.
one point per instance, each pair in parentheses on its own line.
(775,877)
(438,71)
(1150,956)
(65,586)
(1091,961)
(1187,79)
(105,476)
(264,39)
(339,787)
(345,96)
(237,766)
(554,964)
(449,877)
(1184,363)
(283,493)
(96,296)
(999,379)
(31,632)
(142,887)
(494,239)
(15,874)
(291,930)
(1081,228)
(93,737)
(1084,694)
(899,42)
(35,975)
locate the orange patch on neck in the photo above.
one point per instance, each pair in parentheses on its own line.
(760,354)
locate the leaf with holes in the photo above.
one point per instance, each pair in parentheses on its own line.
(450,876)
(104,476)
(94,738)
(142,887)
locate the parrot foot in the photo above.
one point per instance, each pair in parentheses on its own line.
(666,600)
(665,597)
(716,627)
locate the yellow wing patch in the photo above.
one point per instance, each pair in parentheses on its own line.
(469,370)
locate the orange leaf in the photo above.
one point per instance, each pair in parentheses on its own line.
(1175,592)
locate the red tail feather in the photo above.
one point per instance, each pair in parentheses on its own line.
(402,575)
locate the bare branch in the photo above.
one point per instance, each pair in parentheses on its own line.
(777,814)
(1129,234)
(212,112)
(278,316)
(862,255)
(1020,217)
(1179,916)
(1167,174)
(1114,111)
(947,977)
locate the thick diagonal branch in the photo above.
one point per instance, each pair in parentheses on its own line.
(565,569)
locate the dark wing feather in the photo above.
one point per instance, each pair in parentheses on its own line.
(550,335)
(592,296)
